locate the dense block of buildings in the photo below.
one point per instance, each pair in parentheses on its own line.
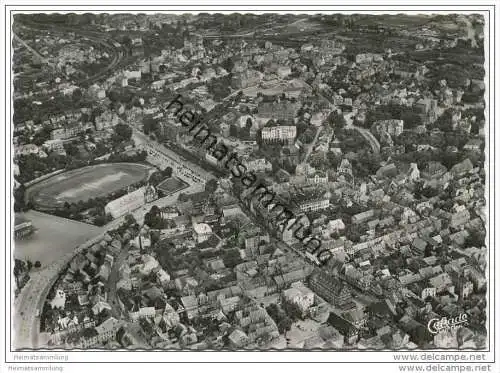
(285,134)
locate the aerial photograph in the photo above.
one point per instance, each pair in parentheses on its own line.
(249,181)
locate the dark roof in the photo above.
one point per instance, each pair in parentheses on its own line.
(342,325)
(334,284)
(379,308)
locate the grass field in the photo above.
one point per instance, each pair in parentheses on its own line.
(85,183)
(171,185)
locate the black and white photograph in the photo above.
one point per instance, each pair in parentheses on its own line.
(235,181)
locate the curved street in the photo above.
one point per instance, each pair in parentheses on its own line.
(33,295)
(375,145)
(368,137)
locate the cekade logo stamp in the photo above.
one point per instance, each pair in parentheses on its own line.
(436,325)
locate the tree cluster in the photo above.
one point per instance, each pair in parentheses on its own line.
(280,317)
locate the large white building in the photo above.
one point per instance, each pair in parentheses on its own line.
(279,133)
(259,165)
(299,295)
(55,145)
(315,204)
(202,231)
(130,202)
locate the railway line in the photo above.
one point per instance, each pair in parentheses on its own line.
(119,54)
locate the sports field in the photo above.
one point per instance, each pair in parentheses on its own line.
(171,185)
(85,183)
